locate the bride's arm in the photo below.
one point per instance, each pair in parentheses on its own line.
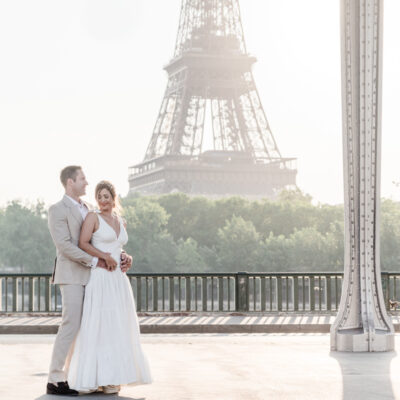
(88,228)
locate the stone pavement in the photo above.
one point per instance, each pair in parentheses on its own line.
(221,367)
(191,323)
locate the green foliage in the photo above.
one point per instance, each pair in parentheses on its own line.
(176,232)
(188,258)
(275,254)
(390,235)
(309,250)
(306,249)
(238,245)
(149,243)
(25,242)
(190,218)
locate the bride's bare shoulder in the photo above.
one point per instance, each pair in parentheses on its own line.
(92,221)
(92,214)
(92,217)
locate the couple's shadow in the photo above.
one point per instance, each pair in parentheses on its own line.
(90,396)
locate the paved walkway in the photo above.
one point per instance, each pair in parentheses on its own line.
(221,367)
(198,323)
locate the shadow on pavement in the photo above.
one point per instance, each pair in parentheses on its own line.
(366,375)
(91,396)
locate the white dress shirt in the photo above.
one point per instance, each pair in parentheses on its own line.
(84,212)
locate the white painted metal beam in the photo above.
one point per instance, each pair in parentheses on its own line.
(362,323)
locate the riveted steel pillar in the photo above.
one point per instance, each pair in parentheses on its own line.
(362,323)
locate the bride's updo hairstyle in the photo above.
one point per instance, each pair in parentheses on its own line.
(111,189)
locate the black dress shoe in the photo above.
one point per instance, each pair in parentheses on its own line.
(62,389)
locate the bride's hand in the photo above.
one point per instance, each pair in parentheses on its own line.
(110,262)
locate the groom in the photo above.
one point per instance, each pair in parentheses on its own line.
(71,272)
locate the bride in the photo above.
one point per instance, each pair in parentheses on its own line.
(107,350)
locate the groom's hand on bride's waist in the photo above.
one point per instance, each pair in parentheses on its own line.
(126,262)
(101,264)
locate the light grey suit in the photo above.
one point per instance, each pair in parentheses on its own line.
(72,273)
(73,264)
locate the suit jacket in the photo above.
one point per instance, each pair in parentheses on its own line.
(73,265)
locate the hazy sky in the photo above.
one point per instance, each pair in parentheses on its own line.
(81,82)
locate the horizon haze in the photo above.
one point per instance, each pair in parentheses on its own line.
(81,82)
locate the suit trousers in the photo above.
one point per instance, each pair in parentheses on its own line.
(72,305)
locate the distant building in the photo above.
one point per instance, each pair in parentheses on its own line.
(211,66)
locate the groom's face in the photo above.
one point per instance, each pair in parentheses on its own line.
(80,183)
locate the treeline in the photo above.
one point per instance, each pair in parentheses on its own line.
(177,233)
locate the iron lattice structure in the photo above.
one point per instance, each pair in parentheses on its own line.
(211,65)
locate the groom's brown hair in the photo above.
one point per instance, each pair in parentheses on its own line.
(69,172)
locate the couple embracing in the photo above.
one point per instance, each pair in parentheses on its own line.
(97,346)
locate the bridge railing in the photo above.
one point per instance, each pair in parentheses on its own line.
(200,292)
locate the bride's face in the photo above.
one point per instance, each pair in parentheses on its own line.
(105,200)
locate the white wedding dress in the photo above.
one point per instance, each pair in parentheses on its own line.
(107,349)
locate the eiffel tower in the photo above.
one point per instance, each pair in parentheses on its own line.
(211,71)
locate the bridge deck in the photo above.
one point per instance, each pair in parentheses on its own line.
(223,367)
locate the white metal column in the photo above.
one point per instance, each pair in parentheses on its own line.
(362,323)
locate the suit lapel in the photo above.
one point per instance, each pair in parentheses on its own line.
(73,209)
(77,214)
(89,206)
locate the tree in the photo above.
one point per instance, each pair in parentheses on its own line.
(25,242)
(188,258)
(238,245)
(180,220)
(176,232)
(390,235)
(151,246)
(294,196)
(308,250)
(275,254)
(304,250)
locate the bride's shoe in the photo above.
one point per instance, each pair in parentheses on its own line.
(111,389)
(90,391)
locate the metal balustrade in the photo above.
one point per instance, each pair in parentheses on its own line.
(200,292)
